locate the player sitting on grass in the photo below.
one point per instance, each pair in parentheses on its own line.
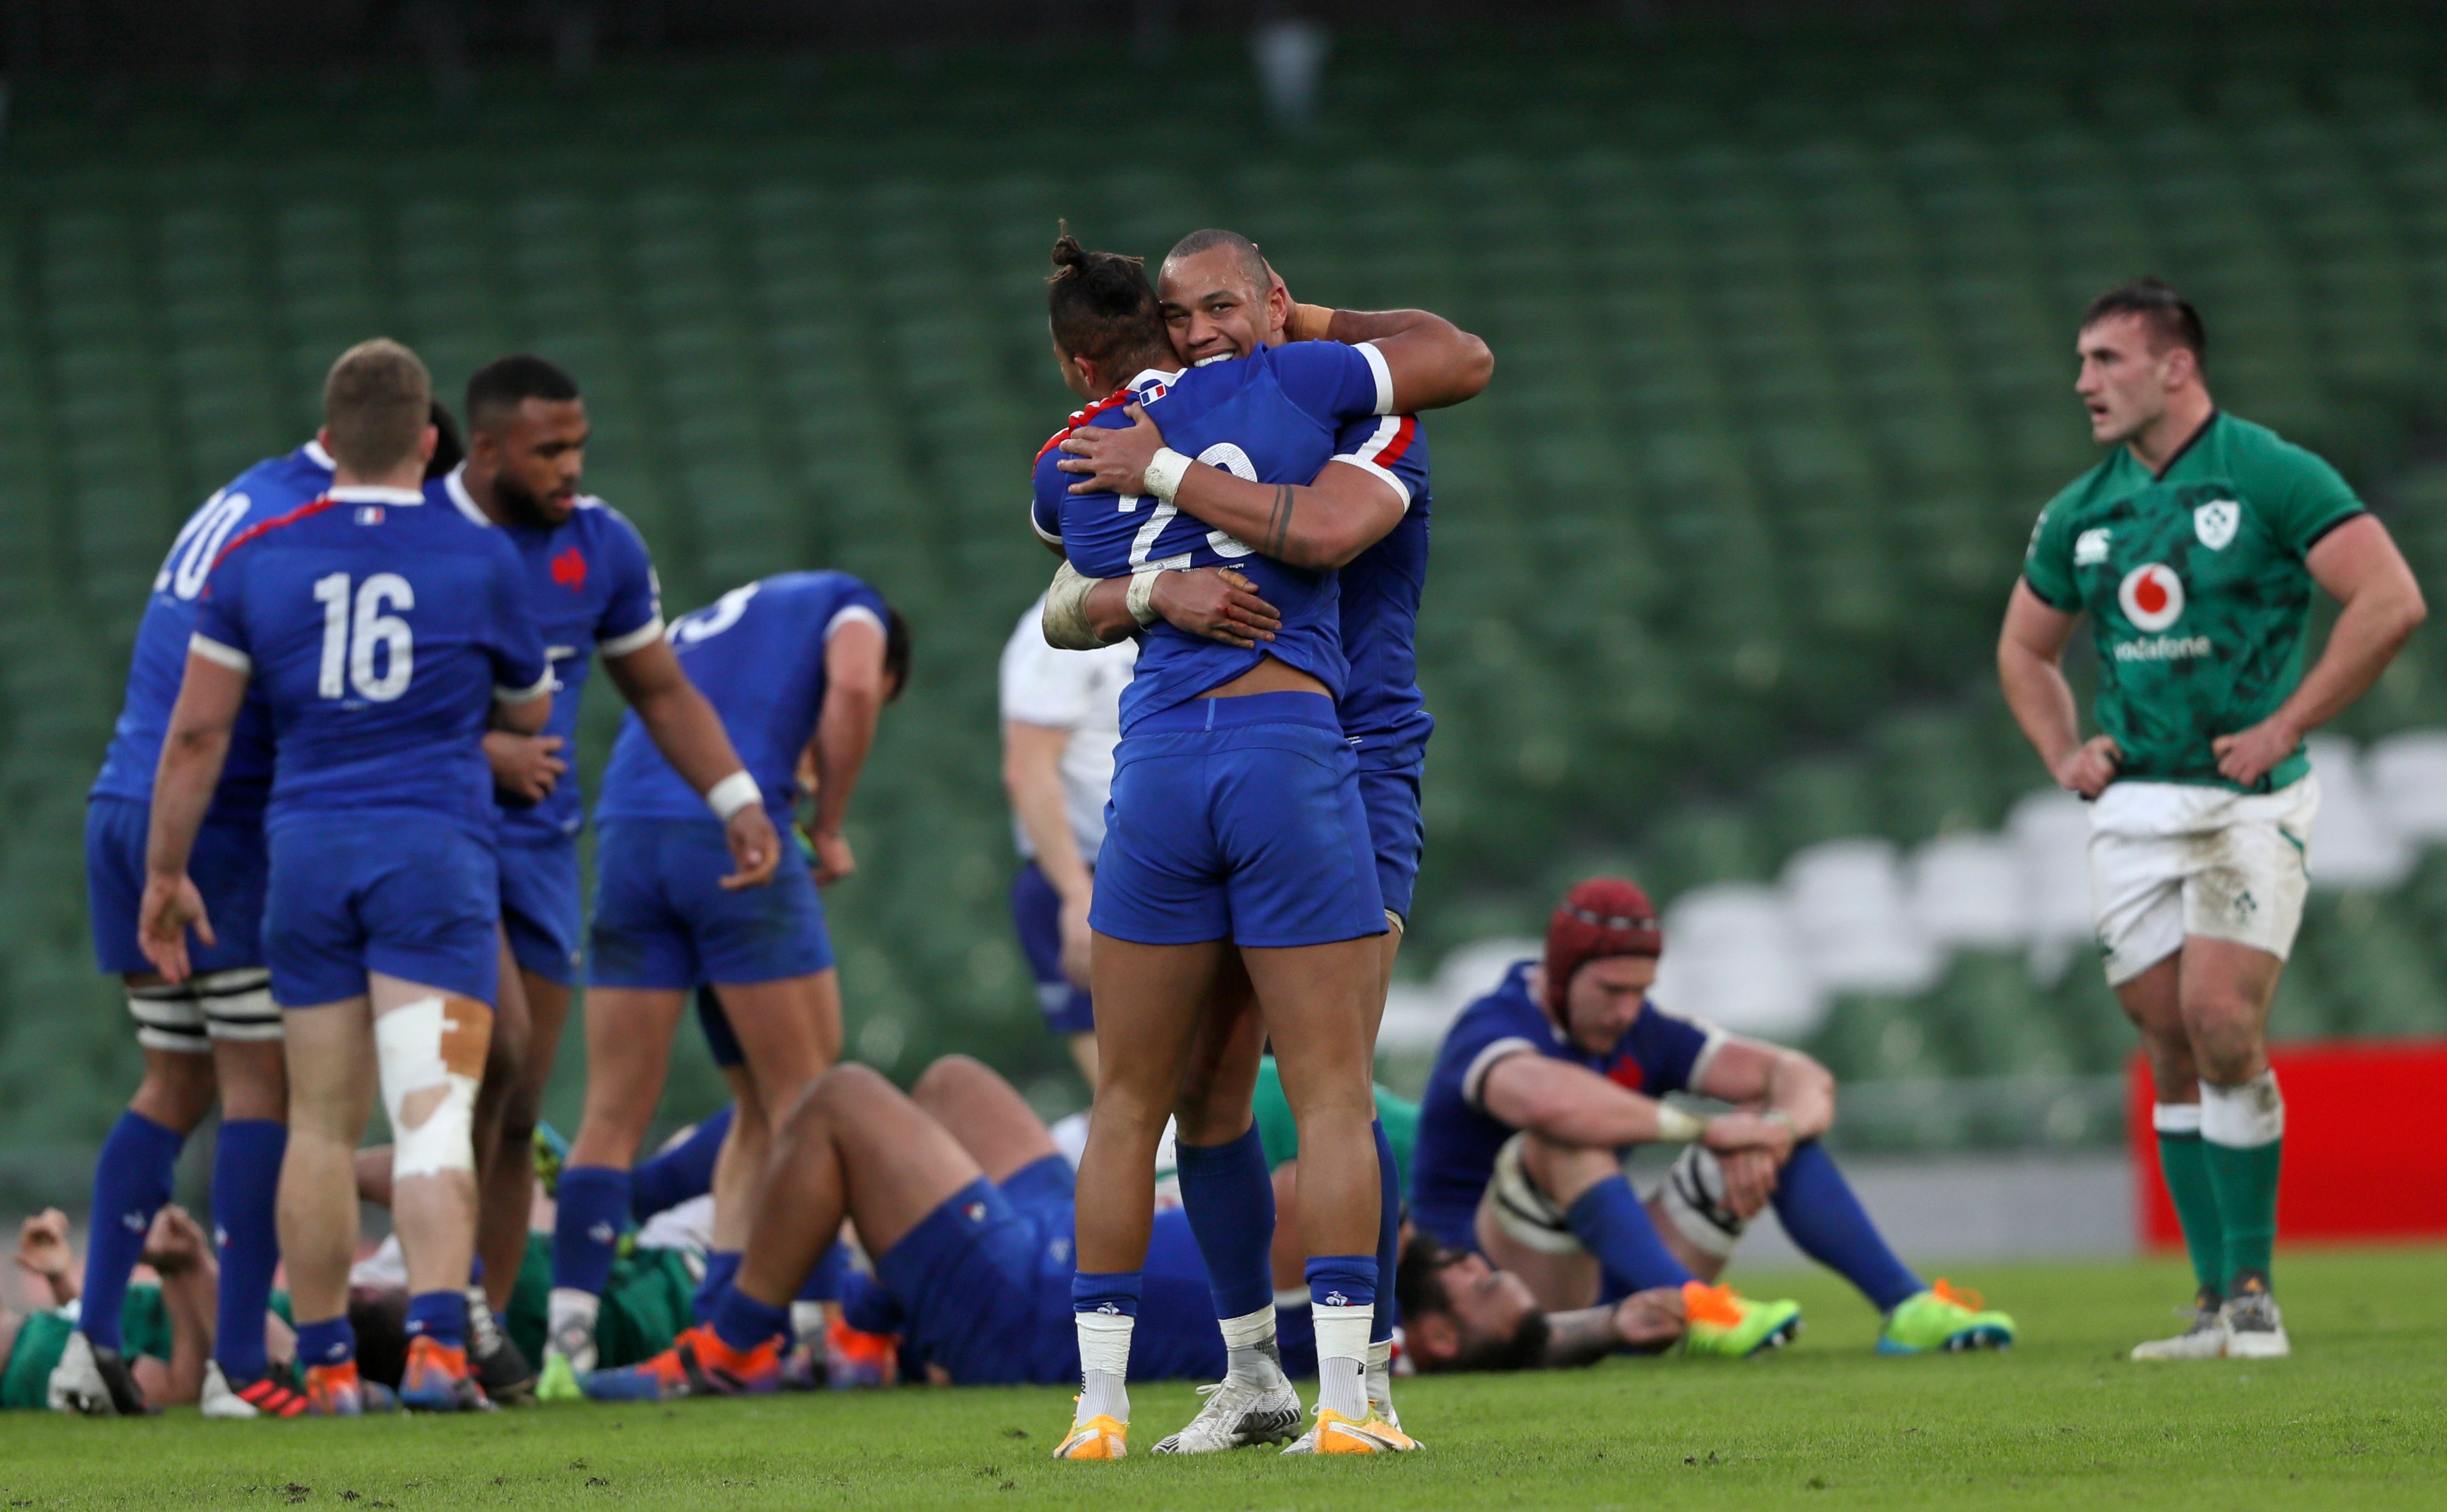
(168,1325)
(1542,1085)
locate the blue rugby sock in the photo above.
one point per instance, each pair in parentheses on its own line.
(824,1283)
(721,1267)
(1389,1235)
(586,1229)
(246,1187)
(329,1342)
(441,1317)
(1826,1221)
(131,1181)
(1229,1196)
(1610,1224)
(684,1171)
(743,1322)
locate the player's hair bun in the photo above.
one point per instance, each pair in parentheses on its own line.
(1070,258)
(1101,303)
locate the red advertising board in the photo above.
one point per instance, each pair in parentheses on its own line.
(2365,1144)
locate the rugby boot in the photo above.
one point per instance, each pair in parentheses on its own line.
(2205,1340)
(1943,1318)
(501,1366)
(1333,1433)
(855,1359)
(697,1364)
(1237,1413)
(437,1379)
(551,1154)
(337,1390)
(95,1380)
(1096,1438)
(265,1396)
(2254,1329)
(1721,1322)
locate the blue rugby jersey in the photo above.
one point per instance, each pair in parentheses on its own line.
(1458,1138)
(264,491)
(1384,715)
(757,653)
(592,585)
(380,630)
(1272,417)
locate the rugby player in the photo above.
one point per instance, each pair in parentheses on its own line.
(1540,1089)
(215,1034)
(1236,812)
(593,589)
(958,1191)
(798,667)
(1061,718)
(2193,547)
(383,634)
(1365,513)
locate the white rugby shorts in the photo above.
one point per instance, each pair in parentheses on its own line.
(2169,859)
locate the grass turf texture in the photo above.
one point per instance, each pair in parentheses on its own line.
(2062,1420)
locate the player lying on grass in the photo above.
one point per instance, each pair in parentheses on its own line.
(168,1323)
(1542,1086)
(959,1194)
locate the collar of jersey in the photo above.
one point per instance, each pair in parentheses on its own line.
(315,454)
(455,484)
(1155,374)
(375,494)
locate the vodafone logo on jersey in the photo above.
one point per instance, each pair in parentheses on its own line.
(2152,596)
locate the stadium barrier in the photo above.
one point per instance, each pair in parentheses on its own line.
(2365,1144)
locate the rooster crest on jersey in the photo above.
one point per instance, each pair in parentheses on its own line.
(2152,596)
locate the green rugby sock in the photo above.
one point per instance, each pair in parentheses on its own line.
(2183,1161)
(2246,1183)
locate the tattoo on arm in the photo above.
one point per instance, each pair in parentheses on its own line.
(1278,529)
(1582,1336)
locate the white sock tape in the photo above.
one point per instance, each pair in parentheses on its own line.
(2176,1118)
(430,1134)
(731,794)
(1105,1342)
(1164,472)
(1342,1332)
(1251,1329)
(2245,1117)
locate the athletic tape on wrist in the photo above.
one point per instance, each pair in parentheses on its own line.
(731,794)
(1675,1127)
(1142,596)
(1065,621)
(1164,473)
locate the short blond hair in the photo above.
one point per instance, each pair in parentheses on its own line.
(377,403)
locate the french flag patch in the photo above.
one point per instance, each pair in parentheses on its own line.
(369,513)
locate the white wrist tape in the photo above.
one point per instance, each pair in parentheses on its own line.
(1677,1126)
(731,794)
(429,1135)
(1065,621)
(1164,474)
(1142,596)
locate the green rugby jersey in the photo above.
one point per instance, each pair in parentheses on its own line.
(2196,589)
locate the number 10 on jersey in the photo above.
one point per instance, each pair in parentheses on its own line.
(350,638)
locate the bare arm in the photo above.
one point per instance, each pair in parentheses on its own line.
(1321,525)
(1572,1105)
(1435,364)
(853,703)
(1771,1079)
(2030,665)
(177,1251)
(1032,774)
(690,734)
(192,754)
(2358,564)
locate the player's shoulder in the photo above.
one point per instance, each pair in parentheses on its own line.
(2256,453)
(599,521)
(1506,1010)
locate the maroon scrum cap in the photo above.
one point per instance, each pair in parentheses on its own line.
(1604,915)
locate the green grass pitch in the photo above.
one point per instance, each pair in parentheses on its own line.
(2356,1420)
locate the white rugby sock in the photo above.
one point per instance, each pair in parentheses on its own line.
(1380,1371)
(1103,1365)
(1250,1349)
(570,1308)
(1342,1358)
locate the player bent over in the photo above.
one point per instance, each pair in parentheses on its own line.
(382,633)
(1542,1085)
(798,667)
(2193,548)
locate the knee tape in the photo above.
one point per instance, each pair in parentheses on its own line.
(1693,1198)
(1523,1211)
(432,1056)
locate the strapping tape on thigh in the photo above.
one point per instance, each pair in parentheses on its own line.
(1693,1198)
(237,1005)
(169,1018)
(1526,1212)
